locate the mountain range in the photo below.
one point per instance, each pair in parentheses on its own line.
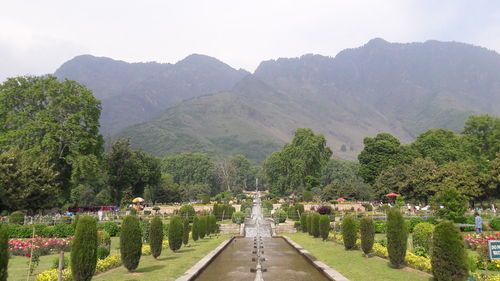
(201,104)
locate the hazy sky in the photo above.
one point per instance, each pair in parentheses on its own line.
(36,37)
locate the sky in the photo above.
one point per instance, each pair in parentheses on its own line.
(36,37)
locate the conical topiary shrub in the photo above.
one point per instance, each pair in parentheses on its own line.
(156,237)
(349,232)
(315,225)
(175,233)
(397,237)
(185,232)
(4,252)
(213,223)
(202,226)
(324,226)
(303,222)
(194,228)
(367,228)
(309,224)
(449,257)
(131,242)
(84,249)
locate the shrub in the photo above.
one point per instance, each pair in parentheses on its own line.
(102,253)
(380,226)
(238,217)
(55,262)
(63,230)
(495,224)
(309,224)
(368,207)
(292,213)
(185,232)
(205,199)
(324,210)
(75,221)
(315,224)
(16,217)
(279,216)
(103,239)
(449,257)
(299,208)
(156,237)
(202,226)
(131,242)
(324,226)
(111,227)
(194,229)
(187,211)
(84,249)
(422,235)
(175,233)
(349,232)
(303,222)
(367,229)
(227,211)
(455,204)
(397,237)
(307,196)
(145,228)
(267,204)
(212,221)
(4,252)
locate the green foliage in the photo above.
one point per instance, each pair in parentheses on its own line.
(131,242)
(422,235)
(349,232)
(267,204)
(279,216)
(315,224)
(189,168)
(367,229)
(185,232)
(84,249)
(307,196)
(175,232)
(102,252)
(194,228)
(66,263)
(17,217)
(63,230)
(441,145)
(455,204)
(309,224)
(449,257)
(202,226)
(212,221)
(156,236)
(111,227)
(303,222)
(238,217)
(4,252)
(397,237)
(299,208)
(324,226)
(351,190)
(103,239)
(187,211)
(482,137)
(495,223)
(412,222)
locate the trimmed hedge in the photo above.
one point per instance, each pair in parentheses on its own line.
(449,257)
(212,221)
(156,237)
(349,232)
(303,222)
(367,229)
(495,224)
(187,211)
(4,252)
(131,242)
(185,231)
(309,224)
(111,227)
(324,226)
(175,233)
(194,229)
(397,237)
(422,235)
(84,249)
(315,225)
(16,217)
(202,226)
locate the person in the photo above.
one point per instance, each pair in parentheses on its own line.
(479,223)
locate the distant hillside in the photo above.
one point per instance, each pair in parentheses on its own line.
(402,89)
(136,92)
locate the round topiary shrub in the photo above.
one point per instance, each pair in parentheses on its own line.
(84,249)
(175,233)
(422,235)
(156,237)
(397,237)
(367,229)
(324,226)
(16,217)
(185,232)
(449,257)
(131,242)
(309,224)
(238,217)
(315,224)
(279,216)
(194,228)
(349,232)
(4,252)
(303,222)
(187,211)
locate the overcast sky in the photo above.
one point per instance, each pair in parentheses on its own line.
(36,37)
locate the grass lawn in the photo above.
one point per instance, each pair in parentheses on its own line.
(352,264)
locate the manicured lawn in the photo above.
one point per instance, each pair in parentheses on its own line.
(352,264)
(18,267)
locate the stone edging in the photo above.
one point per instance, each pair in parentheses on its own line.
(328,271)
(196,269)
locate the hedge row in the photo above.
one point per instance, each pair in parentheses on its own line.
(60,230)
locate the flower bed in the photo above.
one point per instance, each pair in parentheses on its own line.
(479,243)
(41,246)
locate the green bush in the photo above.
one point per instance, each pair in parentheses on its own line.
(187,211)
(103,239)
(175,233)
(422,235)
(279,216)
(299,208)
(227,211)
(324,226)
(495,223)
(309,224)
(307,196)
(380,226)
(111,227)
(145,228)
(349,232)
(131,242)
(412,222)
(102,253)
(185,232)
(16,217)
(63,230)
(194,230)
(156,237)
(212,221)
(84,249)
(4,252)
(397,237)
(202,226)
(75,221)
(55,261)
(267,204)
(315,224)
(449,257)
(238,217)
(292,213)
(367,229)
(303,222)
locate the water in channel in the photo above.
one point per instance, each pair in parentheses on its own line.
(259,256)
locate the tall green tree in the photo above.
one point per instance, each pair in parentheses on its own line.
(441,145)
(482,137)
(189,168)
(156,236)
(175,231)
(397,237)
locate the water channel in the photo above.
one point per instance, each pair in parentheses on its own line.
(258,256)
